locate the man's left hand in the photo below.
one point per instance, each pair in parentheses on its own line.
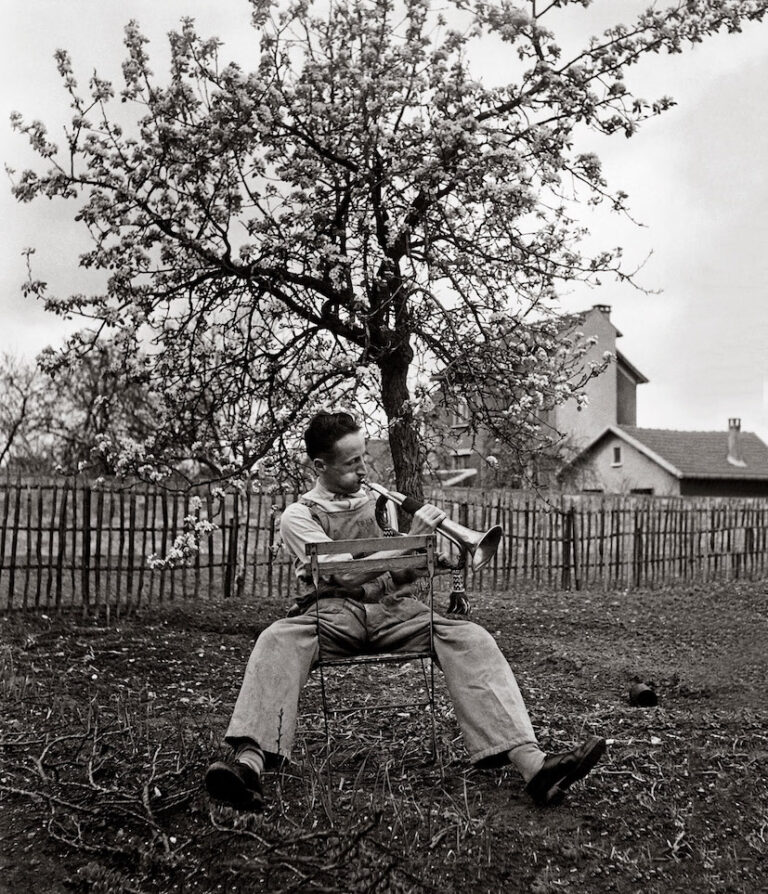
(426,519)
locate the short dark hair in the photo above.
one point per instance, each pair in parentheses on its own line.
(325,429)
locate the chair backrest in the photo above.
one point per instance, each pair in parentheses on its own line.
(392,560)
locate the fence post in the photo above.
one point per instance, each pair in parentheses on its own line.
(62,542)
(28,538)
(39,546)
(74,583)
(575,535)
(143,559)
(3,529)
(637,549)
(14,542)
(231,559)
(129,600)
(97,556)
(256,539)
(85,576)
(464,520)
(567,545)
(270,551)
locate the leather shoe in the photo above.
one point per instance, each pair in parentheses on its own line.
(236,785)
(560,771)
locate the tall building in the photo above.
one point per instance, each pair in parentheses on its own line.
(612,395)
(612,401)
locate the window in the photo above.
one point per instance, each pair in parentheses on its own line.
(460,415)
(641,490)
(461,459)
(616,456)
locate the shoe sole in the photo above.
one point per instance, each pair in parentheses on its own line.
(594,751)
(224,785)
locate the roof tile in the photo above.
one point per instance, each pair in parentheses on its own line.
(704,454)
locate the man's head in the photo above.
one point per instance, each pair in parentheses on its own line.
(336,448)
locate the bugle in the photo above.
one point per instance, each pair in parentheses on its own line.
(482,547)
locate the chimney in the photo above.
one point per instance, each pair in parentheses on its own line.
(603,308)
(735,457)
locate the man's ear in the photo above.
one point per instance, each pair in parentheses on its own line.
(319,465)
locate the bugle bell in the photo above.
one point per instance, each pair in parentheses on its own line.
(482,547)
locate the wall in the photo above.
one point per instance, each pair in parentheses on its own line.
(626,400)
(636,470)
(584,426)
(610,394)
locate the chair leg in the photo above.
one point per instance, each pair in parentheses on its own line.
(328,766)
(432,707)
(429,685)
(325,711)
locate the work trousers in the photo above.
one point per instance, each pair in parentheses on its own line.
(487,700)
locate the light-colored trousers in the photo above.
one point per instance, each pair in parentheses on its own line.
(485,694)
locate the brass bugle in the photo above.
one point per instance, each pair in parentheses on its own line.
(482,547)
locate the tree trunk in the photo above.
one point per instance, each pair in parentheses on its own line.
(403,430)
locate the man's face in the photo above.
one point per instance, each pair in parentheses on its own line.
(344,471)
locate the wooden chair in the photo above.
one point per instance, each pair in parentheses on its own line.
(424,560)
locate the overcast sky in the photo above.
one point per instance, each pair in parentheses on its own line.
(697,179)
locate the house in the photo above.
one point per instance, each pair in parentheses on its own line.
(612,395)
(612,401)
(627,459)
(604,450)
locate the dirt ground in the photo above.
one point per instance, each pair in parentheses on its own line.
(106,732)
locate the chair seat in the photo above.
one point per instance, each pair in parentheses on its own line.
(375,658)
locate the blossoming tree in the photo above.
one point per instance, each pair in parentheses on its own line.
(350,217)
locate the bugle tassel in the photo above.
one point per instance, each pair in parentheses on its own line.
(458,602)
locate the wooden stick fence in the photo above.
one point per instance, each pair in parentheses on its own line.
(616,542)
(65,543)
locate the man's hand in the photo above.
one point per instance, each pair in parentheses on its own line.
(446,563)
(426,519)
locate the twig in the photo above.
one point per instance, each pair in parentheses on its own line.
(52,799)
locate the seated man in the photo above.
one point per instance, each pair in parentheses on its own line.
(374,612)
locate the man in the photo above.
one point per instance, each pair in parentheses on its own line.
(371,612)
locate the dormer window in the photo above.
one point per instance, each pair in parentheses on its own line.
(617,459)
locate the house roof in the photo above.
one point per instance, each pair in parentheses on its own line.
(578,318)
(695,454)
(639,378)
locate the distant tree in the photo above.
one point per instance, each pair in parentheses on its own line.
(66,420)
(353,215)
(91,405)
(20,424)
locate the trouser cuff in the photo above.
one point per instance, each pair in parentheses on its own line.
(528,759)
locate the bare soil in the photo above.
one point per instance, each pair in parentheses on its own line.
(106,731)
